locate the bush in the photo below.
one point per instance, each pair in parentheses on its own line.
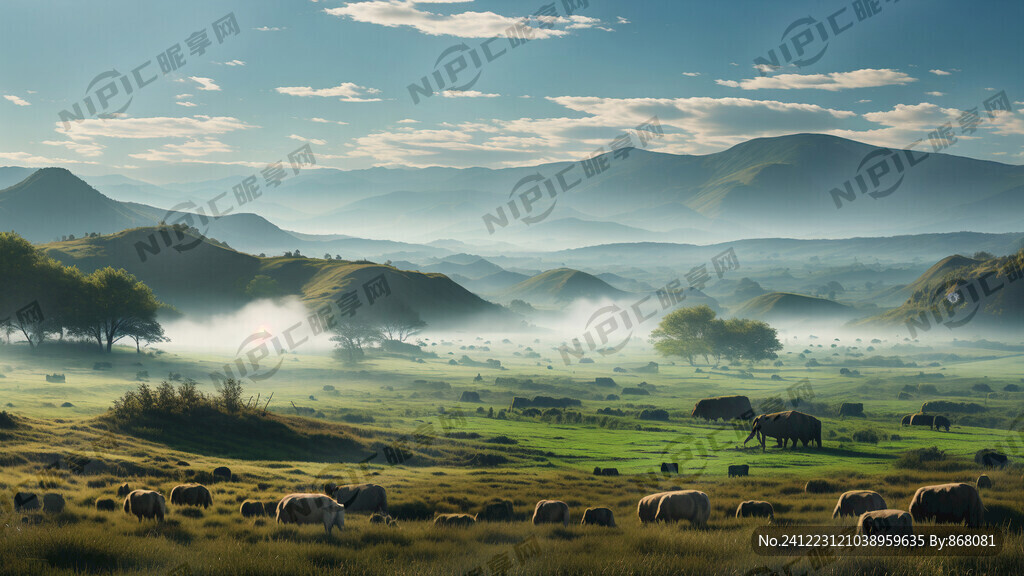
(917,459)
(865,437)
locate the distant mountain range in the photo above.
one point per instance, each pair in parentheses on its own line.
(766,187)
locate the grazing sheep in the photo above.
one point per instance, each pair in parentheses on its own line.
(191,495)
(755,509)
(984,481)
(249,509)
(955,503)
(25,501)
(146,504)
(598,517)
(857,502)
(551,512)
(895,522)
(222,473)
(106,504)
(691,505)
(311,509)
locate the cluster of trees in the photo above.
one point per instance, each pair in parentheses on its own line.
(186,399)
(395,324)
(696,332)
(86,235)
(104,307)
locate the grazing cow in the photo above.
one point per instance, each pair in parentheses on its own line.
(191,495)
(955,503)
(786,426)
(670,467)
(106,504)
(551,512)
(145,504)
(923,420)
(691,505)
(882,522)
(990,457)
(942,422)
(724,407)
(598,517)
(53,503)
(857,502)
(597,470)
(25,501)
(648,507)
(983,481)
(755,509)
(222,473)
(362,498)
(249,509)
(497,510)
(311,509)
(739,470)
(818,487)
(124,490)
(454,520)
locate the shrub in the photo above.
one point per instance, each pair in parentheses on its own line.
(916,459)
(865,436)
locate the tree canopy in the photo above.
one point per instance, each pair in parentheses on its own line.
(697,332)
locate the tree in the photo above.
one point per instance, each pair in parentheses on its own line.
(354,334)
(263,286)
(399,322)
(118,302)
(148,331)
(685,332)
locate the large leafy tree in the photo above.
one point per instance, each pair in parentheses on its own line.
(353,334)
(119,305)
(695,331)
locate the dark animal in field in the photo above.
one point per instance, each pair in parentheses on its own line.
(990,457)
(739,470)
(311,509)
(191,495)
(124,489)
(984,481)
(786,426)
(691,505)
(724,408)
(857,502)
(598,517)
(454,520)
(106,504)
(222,473)
(882,522)
(956,503)
(906,420)
(942,422)
(330,488)
(755,509)
(597,470)
(362,498)
(497,511)
(53,503)
(26,501)
(609,472)
(250,508)
(923,420)
(851,409)
(551,512)
(147,504)
(670,467)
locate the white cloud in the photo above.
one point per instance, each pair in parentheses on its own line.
(191,149)
(27,159)
(940,72)
(155,127)
(864,101)
(348,92)
(866,78)
(235,63)
(408,121)
(17,101)
(182,96)
(691,74)
(269,29)
(326,121)
(936,94)
(187,104)
(398,13)
(621,20)
(467,94)
(204,83)
(86,148)
(308,140)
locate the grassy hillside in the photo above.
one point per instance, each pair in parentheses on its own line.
(784,305)
(561,286)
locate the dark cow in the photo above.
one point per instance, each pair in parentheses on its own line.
(990,457)
(723,407)
(923,420)
(739,470)
(942,422)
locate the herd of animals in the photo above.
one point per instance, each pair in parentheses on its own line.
(957,503)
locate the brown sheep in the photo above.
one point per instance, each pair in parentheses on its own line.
(755,509)
(145,504)
(895,522)
(249,509)
(551,512)
(191,495)
(691,505)
(362,497)
(311,509)
(955,503)
(598,517)
(857,502)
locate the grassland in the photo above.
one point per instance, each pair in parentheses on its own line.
(377,403)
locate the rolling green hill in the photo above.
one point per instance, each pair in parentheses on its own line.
(561,286)
(784,305)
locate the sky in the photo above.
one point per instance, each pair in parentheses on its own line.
(555,81)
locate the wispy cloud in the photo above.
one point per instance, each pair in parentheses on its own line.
(935,93)
(269,29)
(938,72)
(16,100)
(866,78)
(155,127)
(186,104)
(346,92)
(27,159)
(326,121)
(309,140)
(405,13)
(85,148)
(204,83)
(182,152)
(467,94)
(408,121)
(235,63)
(691,74)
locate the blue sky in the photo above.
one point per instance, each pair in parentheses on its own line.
(336,75)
